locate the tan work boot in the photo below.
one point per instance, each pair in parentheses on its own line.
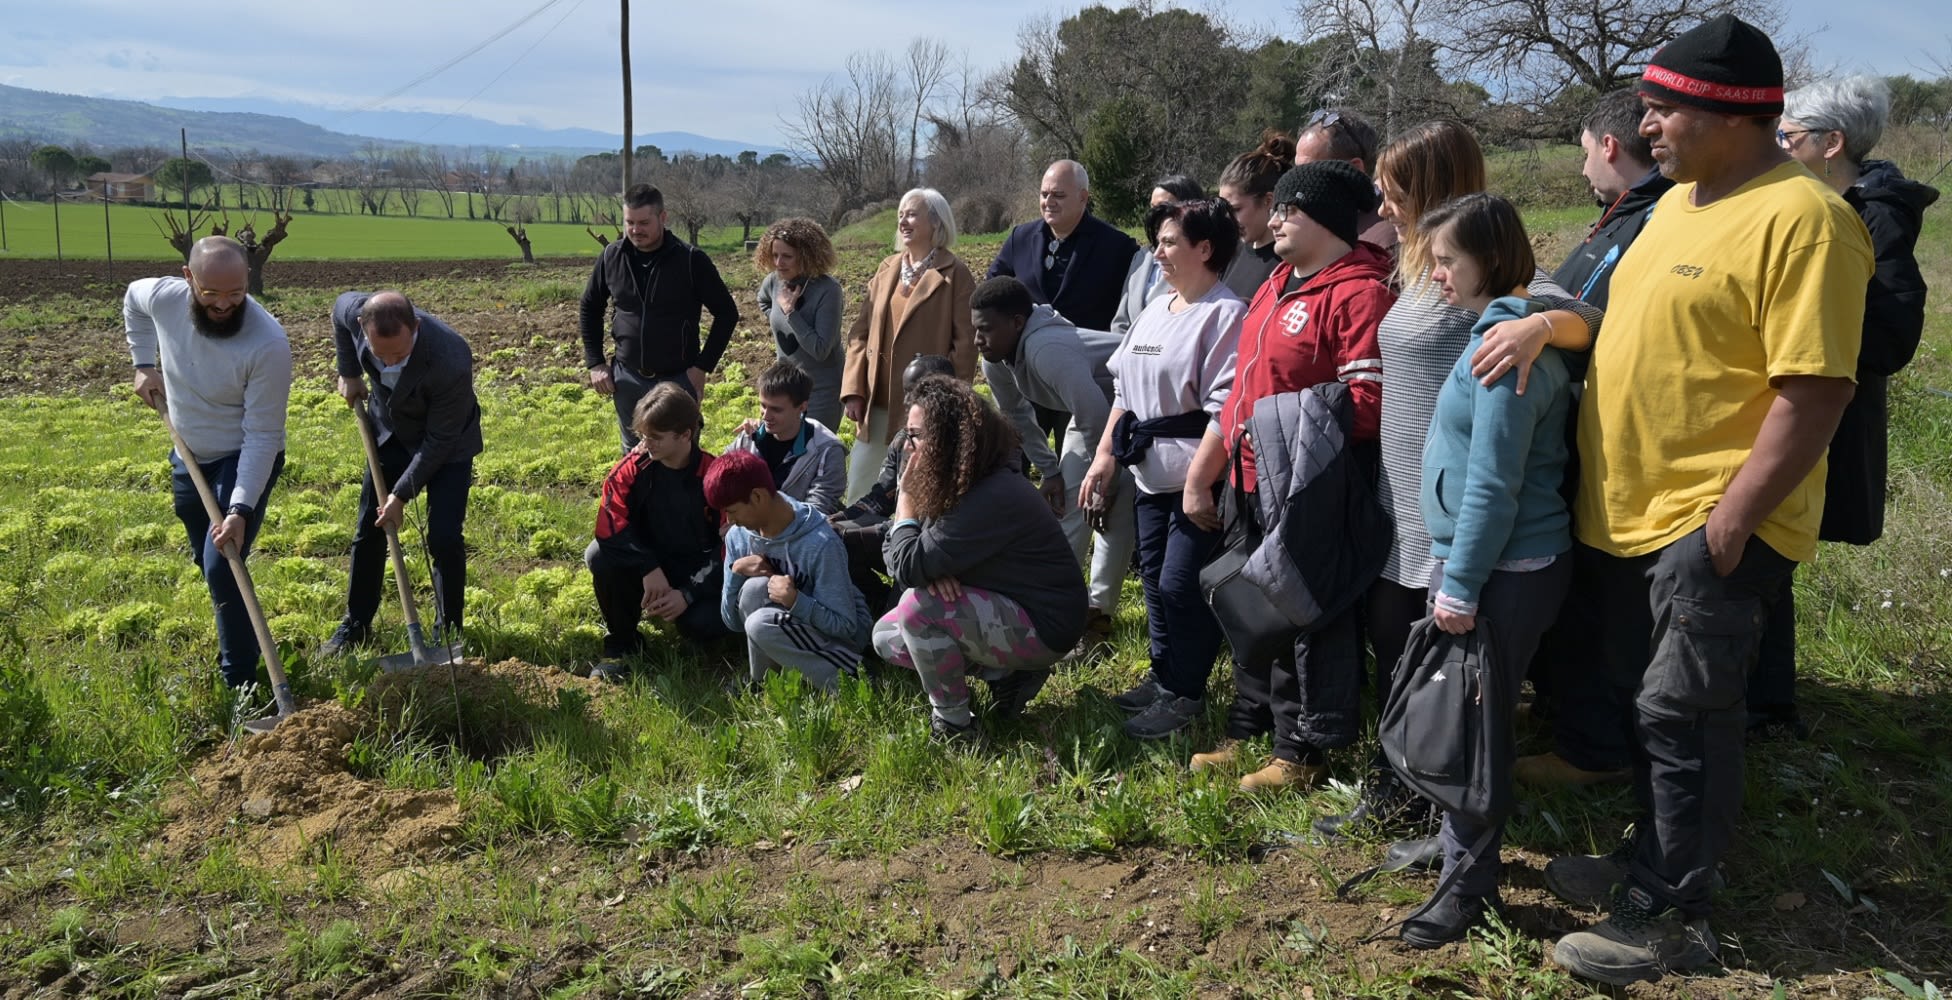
(1549,770)
(1280,774)
(1222,755)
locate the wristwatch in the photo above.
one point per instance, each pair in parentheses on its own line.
(240,509)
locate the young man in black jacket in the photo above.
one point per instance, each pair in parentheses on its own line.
(656,283)
(1620,166)
(657,546)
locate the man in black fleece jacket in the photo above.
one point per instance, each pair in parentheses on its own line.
(656,283)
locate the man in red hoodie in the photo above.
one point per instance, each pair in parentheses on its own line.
(1313,321)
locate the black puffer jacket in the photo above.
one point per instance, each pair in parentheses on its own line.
(1588,271)
(1894,318)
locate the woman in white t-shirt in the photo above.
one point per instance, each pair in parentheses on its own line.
(1172,373)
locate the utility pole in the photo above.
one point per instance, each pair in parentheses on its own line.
(625,34)
(184,134)
(108,239)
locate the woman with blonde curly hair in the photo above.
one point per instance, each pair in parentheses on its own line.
(989,579)
(802,300)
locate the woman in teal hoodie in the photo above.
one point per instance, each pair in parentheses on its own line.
(1499,529)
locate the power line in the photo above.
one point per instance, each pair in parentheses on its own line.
(450,64)
(498,76)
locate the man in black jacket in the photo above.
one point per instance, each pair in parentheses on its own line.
(656,283)
(428,426)
(1587,716)
(1620,167)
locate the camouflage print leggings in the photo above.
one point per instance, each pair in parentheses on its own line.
(943,640)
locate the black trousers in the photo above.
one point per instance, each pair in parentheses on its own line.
(1681,641)
(1592,722)
(1310,699)
(619,585)
(447,548)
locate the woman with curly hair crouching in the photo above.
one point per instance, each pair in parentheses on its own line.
(989,580)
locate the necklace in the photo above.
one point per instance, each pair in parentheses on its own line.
(909,272)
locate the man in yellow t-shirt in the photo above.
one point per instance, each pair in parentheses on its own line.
(1728,357)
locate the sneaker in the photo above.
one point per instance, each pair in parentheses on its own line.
(1640,941)
(1222,755)
(1549,770)
(1168,714)
(344,639)
(612,671)
(963,737)
(1011,693)
(1139,698)
(1386,808)
(1588,880)
(1446,919)
(1280,774)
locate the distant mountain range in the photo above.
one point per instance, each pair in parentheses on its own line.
(277,127)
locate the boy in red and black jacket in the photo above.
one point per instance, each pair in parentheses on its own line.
(657,547)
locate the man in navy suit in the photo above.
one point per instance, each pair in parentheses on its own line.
(428,426)
(1071,260)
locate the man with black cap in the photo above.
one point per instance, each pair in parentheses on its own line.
(1702,432)
(1313,321)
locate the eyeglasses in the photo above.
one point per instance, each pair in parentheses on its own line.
(1783,137)
(914,436)
(1281,212)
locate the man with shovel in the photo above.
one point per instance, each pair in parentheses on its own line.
(222,366)
(428,429)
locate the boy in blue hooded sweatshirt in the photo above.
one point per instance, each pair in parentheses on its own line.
(786,582)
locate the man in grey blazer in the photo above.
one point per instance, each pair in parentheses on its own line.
(428,425)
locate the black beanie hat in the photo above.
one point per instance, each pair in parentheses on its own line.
(1724,64)
(1332,192)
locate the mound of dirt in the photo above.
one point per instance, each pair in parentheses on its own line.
(280,796)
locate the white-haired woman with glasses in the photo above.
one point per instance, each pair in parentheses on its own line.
(1831,127)
(917,303)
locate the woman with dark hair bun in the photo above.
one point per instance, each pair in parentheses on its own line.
(1142,283)
(1172,374)
(1247,185)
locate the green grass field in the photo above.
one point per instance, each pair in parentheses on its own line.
(538,836)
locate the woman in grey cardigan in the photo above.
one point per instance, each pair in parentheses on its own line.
(802,302)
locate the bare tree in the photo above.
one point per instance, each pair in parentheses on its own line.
(281,175)
(927,67)
(1385,62)
(438,174)
(1537,48)
(409,168)
(370,179)
(848,126)
(692,191)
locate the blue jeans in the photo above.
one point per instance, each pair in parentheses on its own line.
(1172,549)
(447,511)
(237,641)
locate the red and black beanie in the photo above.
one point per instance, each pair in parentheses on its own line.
(1724,64)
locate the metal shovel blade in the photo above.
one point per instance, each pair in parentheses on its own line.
(264,725)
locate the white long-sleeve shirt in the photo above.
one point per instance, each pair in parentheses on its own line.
(227,395)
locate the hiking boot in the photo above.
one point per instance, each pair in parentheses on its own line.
(1446,919)
(1011,693)
(1386,808)
(1280,774)
(1167,714)
(1549,770)
(1426,854)
(1640,941)
(611,671)
(348,636)
(1096,640)
(955,737)
(1588,880)
(1222,755)
(1139,698)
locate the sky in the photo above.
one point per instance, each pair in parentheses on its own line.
(721,68)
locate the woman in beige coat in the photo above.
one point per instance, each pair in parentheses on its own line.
(916,303)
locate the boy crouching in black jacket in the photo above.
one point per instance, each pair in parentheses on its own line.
(657,544)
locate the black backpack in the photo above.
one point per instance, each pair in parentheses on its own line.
(1447,732)
(1447,727)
